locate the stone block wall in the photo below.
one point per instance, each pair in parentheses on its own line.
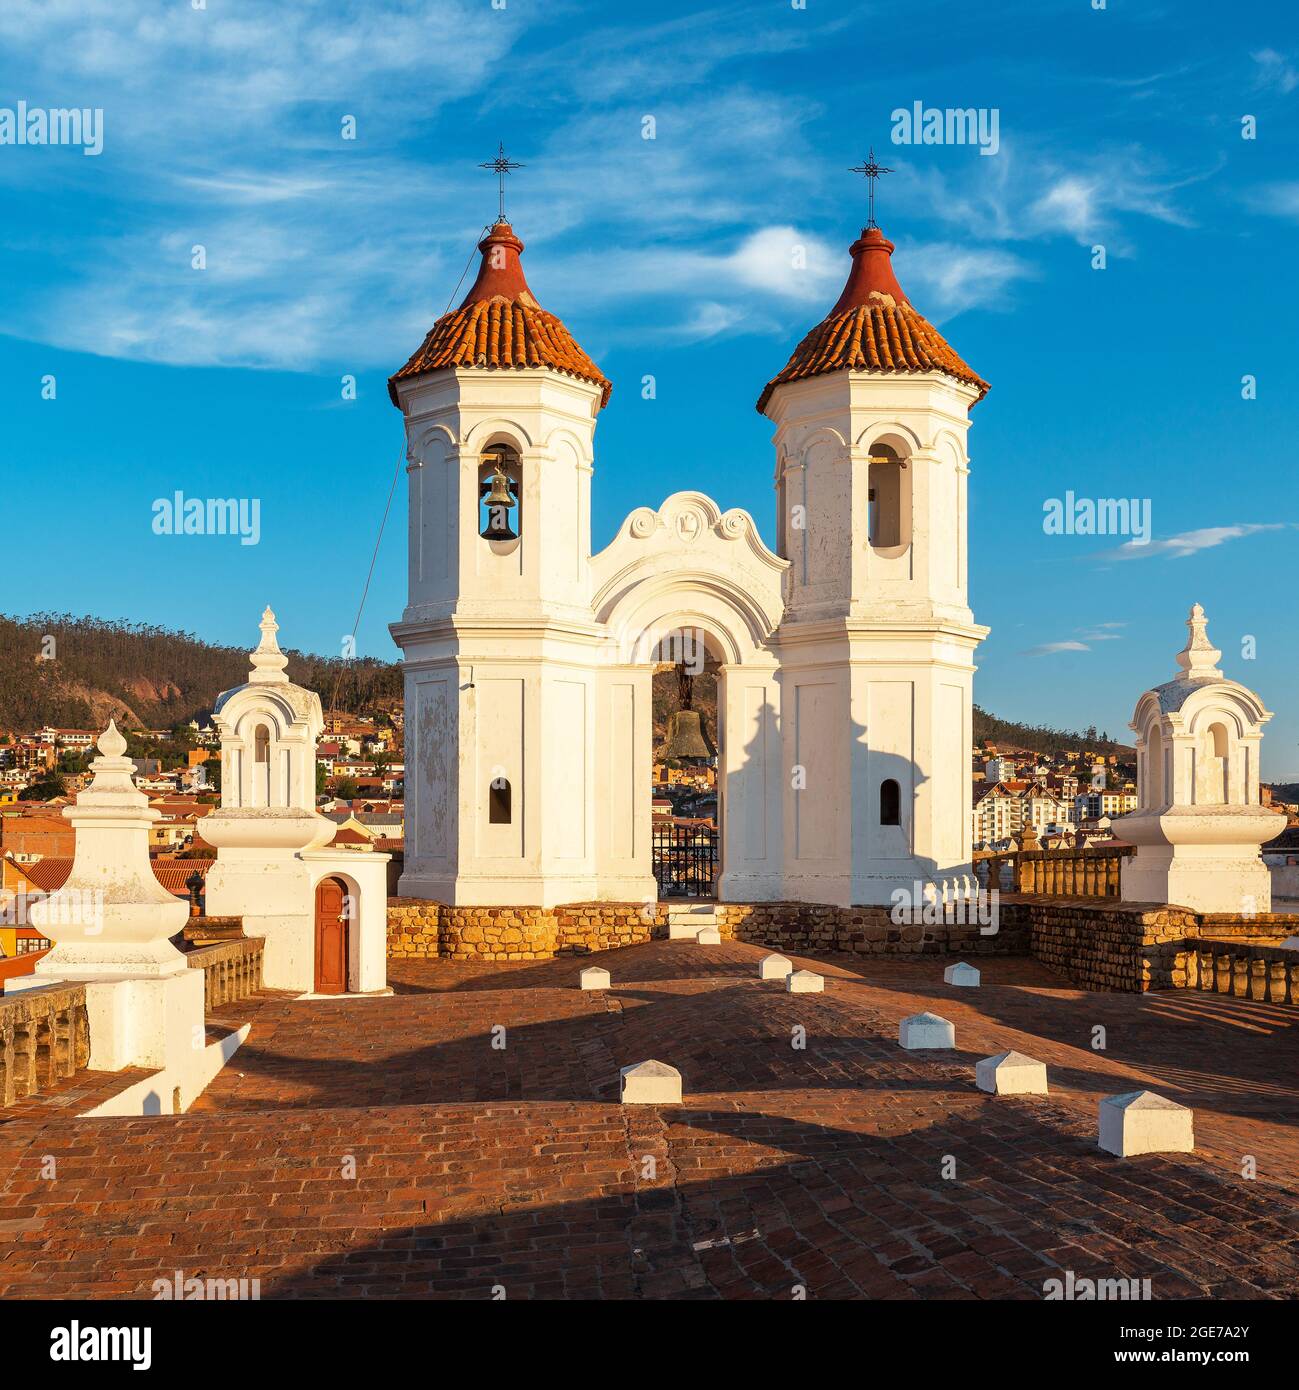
(422,929)
(1095,943)
(419,929)
(1132,947)
(584,927)
(860,930)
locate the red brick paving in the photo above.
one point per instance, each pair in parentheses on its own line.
(818,1168)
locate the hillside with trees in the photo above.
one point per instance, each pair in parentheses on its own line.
(1040,738)
(80,672)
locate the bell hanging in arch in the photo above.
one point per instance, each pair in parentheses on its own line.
(685,736)
(498,499)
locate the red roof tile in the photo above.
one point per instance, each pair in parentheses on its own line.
(873,328)
(500,324)
(49,875)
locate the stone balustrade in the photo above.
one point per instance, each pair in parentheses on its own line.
(1070,873)
(1054,873)
(1117,946)
(1266,974)
(231,970)
(44,1038)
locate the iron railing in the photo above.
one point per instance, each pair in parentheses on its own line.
(685,860)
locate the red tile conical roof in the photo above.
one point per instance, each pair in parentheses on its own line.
(500,324)
(873,328)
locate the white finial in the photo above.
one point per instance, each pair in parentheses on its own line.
(111,743)
(1199,658)
(114,771)
(268,660)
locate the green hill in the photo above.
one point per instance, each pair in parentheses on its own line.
(80,672)
(151,677)
(1040,738)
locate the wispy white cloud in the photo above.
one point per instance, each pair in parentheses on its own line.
(1192,542)
(1026,194)
(222,128)
(1275,71)
(945,278)
(708,320)
(1097,632)
(1276,200)
(1051,648)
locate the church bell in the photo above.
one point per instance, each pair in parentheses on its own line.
(685,736)
(498,500)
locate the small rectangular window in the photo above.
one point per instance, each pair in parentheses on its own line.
(498,802)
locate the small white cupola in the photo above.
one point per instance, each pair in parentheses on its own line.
(1198,735)
(1199,820)
(268,730)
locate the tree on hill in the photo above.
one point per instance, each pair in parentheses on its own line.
(50,785)
(1039,738)
(57,663)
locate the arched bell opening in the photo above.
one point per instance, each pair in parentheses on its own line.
(888,500)
(500,497)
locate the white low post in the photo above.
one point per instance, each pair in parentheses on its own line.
(926,1030)
(111,923)
(1011,1074)
(774,967)
(650,1083)
(804,982)
(1140,1122)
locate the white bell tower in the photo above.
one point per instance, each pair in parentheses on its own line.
(500,646)
(877,640)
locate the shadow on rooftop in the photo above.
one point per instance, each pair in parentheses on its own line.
(831,1208)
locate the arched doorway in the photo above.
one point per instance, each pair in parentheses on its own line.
(332,936)
(686,809)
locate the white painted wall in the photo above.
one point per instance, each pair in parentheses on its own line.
(850,661)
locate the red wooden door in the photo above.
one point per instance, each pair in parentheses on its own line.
(331,938)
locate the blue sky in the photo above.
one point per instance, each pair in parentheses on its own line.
(222,128)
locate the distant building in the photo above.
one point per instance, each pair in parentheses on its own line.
(1095,804)
(1002,768)
(28,839)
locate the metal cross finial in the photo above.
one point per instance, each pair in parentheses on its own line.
(501,166)
(872,172)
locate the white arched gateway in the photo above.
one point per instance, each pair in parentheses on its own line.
(692,576)
(845,659)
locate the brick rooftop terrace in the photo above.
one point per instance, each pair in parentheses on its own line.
(822,1167)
